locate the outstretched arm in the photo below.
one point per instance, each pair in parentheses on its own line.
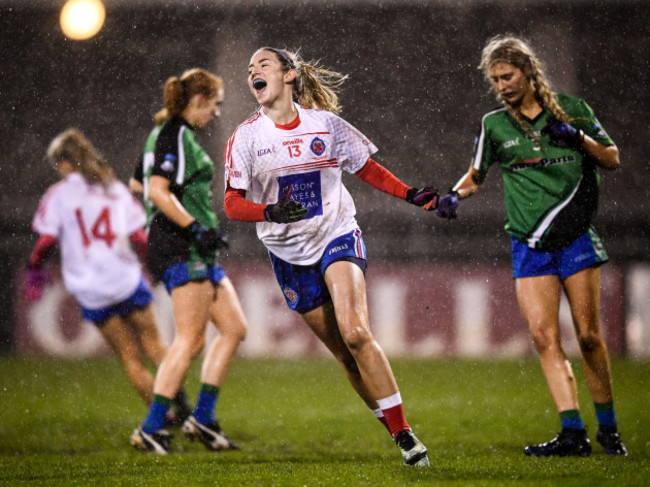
(466,186)
(382,179)
(469,183)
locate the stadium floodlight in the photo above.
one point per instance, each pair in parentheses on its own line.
(82,19)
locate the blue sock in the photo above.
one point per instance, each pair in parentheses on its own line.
(571,419)
(157,412)
(605,414)
(206,404)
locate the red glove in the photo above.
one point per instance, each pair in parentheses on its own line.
(36,279)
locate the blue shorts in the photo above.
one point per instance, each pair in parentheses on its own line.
(303,286)
(138,300)
(585,251)
(179,274)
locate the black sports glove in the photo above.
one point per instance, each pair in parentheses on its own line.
(285,210)
(447,205)
(206,240)
(426,197)
(563,134)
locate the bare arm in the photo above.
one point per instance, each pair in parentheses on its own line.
(606,156)
(469,183)
(136,187)
(166,202)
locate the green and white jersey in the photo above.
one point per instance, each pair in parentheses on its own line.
(172,151)
(551,193)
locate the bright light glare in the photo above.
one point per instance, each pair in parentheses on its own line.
(82,19)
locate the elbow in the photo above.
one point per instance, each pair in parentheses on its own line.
(156,194)
(613,161)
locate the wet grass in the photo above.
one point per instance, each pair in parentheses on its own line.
(67,422)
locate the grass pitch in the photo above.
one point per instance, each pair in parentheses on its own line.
(68,422)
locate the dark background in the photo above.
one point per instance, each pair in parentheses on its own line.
(414,90)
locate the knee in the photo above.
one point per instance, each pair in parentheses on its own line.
(197,346)
(356,338)
(237,331)
(544,338)
(187,346)
(590,341)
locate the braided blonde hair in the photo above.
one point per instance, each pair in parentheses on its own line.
(315,86)
(516,51)
(71,145)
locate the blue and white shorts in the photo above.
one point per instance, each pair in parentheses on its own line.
(181,273)
(585,251)
(140,299)
(303,286)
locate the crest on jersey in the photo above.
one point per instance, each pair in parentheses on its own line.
(168,164)
(291,295)
(317,146)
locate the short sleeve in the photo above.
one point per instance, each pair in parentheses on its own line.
(138,171)
(482,151)
(352,147)
(136,217)
(47,220)
(238,159)
(168,152)
(591,126)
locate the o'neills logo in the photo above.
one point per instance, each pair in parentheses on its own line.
(295,141)
(338,248)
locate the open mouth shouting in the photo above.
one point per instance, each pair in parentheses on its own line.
(259,84)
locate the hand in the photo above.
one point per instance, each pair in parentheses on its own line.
(37,278)
(447,205)
(563,134)
(206,240)
(285,210)
(426,197)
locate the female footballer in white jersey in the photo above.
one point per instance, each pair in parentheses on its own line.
(289,159)
(97,223)
(549,147)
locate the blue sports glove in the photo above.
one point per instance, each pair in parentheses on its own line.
(447,205)
(426,197)
(206,240)
(563,134)
(285,210)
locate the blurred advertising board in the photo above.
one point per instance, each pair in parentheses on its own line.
(416,310)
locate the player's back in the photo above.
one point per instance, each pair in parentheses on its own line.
(93,224)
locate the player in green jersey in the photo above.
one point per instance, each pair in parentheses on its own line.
(549,147)
(183,240)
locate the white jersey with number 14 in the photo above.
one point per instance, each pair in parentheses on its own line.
(93,225)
